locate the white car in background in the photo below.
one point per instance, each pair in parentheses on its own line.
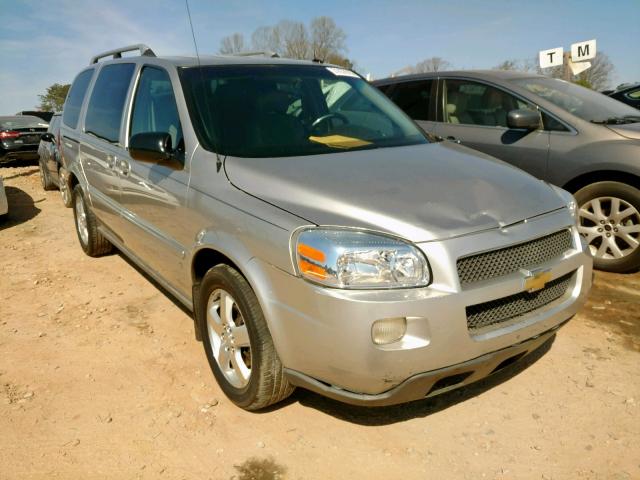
(4,207)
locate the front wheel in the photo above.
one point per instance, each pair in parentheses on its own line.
(237,341)
(609,221)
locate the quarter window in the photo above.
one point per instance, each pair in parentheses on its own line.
(104,113)
(73,104)
(414,98)
(155,109)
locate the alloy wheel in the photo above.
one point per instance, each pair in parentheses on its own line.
(81,220)
(610,226)
(229,338)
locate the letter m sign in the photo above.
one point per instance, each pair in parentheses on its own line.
(583,51)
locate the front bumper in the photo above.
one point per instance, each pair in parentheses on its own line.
(428,384)
(22,152)
(323,335)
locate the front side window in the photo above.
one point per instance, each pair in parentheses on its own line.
(473,103)
(287,110)
(74,100)
(414,98)
(154,107)
(104,113)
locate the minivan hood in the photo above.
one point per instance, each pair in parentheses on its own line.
(628,130)
(419,192)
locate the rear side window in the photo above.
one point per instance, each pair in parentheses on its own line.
(104,113)
(75,98)
(414,98)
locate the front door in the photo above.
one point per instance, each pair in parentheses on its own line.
(475,115)
(154,195)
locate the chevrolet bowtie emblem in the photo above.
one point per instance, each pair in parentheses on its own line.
(535,280)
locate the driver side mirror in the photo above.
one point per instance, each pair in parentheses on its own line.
(524,118)
(47,137)
(154,147)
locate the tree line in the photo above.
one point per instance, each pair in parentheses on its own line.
(323,40)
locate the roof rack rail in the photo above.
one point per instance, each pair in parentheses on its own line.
(265,53)
(144,50)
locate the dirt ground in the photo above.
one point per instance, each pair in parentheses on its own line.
(101,377)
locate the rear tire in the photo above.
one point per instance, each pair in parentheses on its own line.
(45,177)
(91,240)
(236,336)
(65,192)
(609,220)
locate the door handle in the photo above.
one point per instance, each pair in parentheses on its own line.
(453,139)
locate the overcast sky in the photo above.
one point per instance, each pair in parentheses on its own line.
(44,42)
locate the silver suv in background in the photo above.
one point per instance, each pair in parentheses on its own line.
(319,237)
(560,132)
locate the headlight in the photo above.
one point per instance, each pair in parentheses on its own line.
(343,258)
(569,201)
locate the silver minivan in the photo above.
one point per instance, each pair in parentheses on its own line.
(318,235)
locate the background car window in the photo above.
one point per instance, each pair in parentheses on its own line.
(473,103)
(154,108)
(75,98)
(413,98)
(634,94)
(104,113)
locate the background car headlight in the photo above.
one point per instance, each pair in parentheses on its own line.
(343,258)
(570,202)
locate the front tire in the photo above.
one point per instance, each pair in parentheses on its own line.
(609,220)
(237,341)
(91,240)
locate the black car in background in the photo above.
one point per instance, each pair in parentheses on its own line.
(46,116)
(20,137)
(629,94)
(51,165)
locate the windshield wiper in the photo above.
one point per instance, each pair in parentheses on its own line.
(618,120)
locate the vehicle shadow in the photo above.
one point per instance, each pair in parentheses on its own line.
(377,416)
(22,207)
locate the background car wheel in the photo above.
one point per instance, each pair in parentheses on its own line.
(91,240)
(237,341)
(609,220)
(65,192)
(45,178)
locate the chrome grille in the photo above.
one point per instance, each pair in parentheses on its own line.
(501,310)
(504,261)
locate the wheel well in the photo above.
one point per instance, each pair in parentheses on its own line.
(207,258)
(602,176)
(73,181)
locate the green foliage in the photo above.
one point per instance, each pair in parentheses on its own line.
(53,99)
(583,82)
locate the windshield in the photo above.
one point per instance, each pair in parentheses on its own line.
(23,121)
(581,102)
(277,111)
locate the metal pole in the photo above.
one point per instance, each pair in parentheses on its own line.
(566,70)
